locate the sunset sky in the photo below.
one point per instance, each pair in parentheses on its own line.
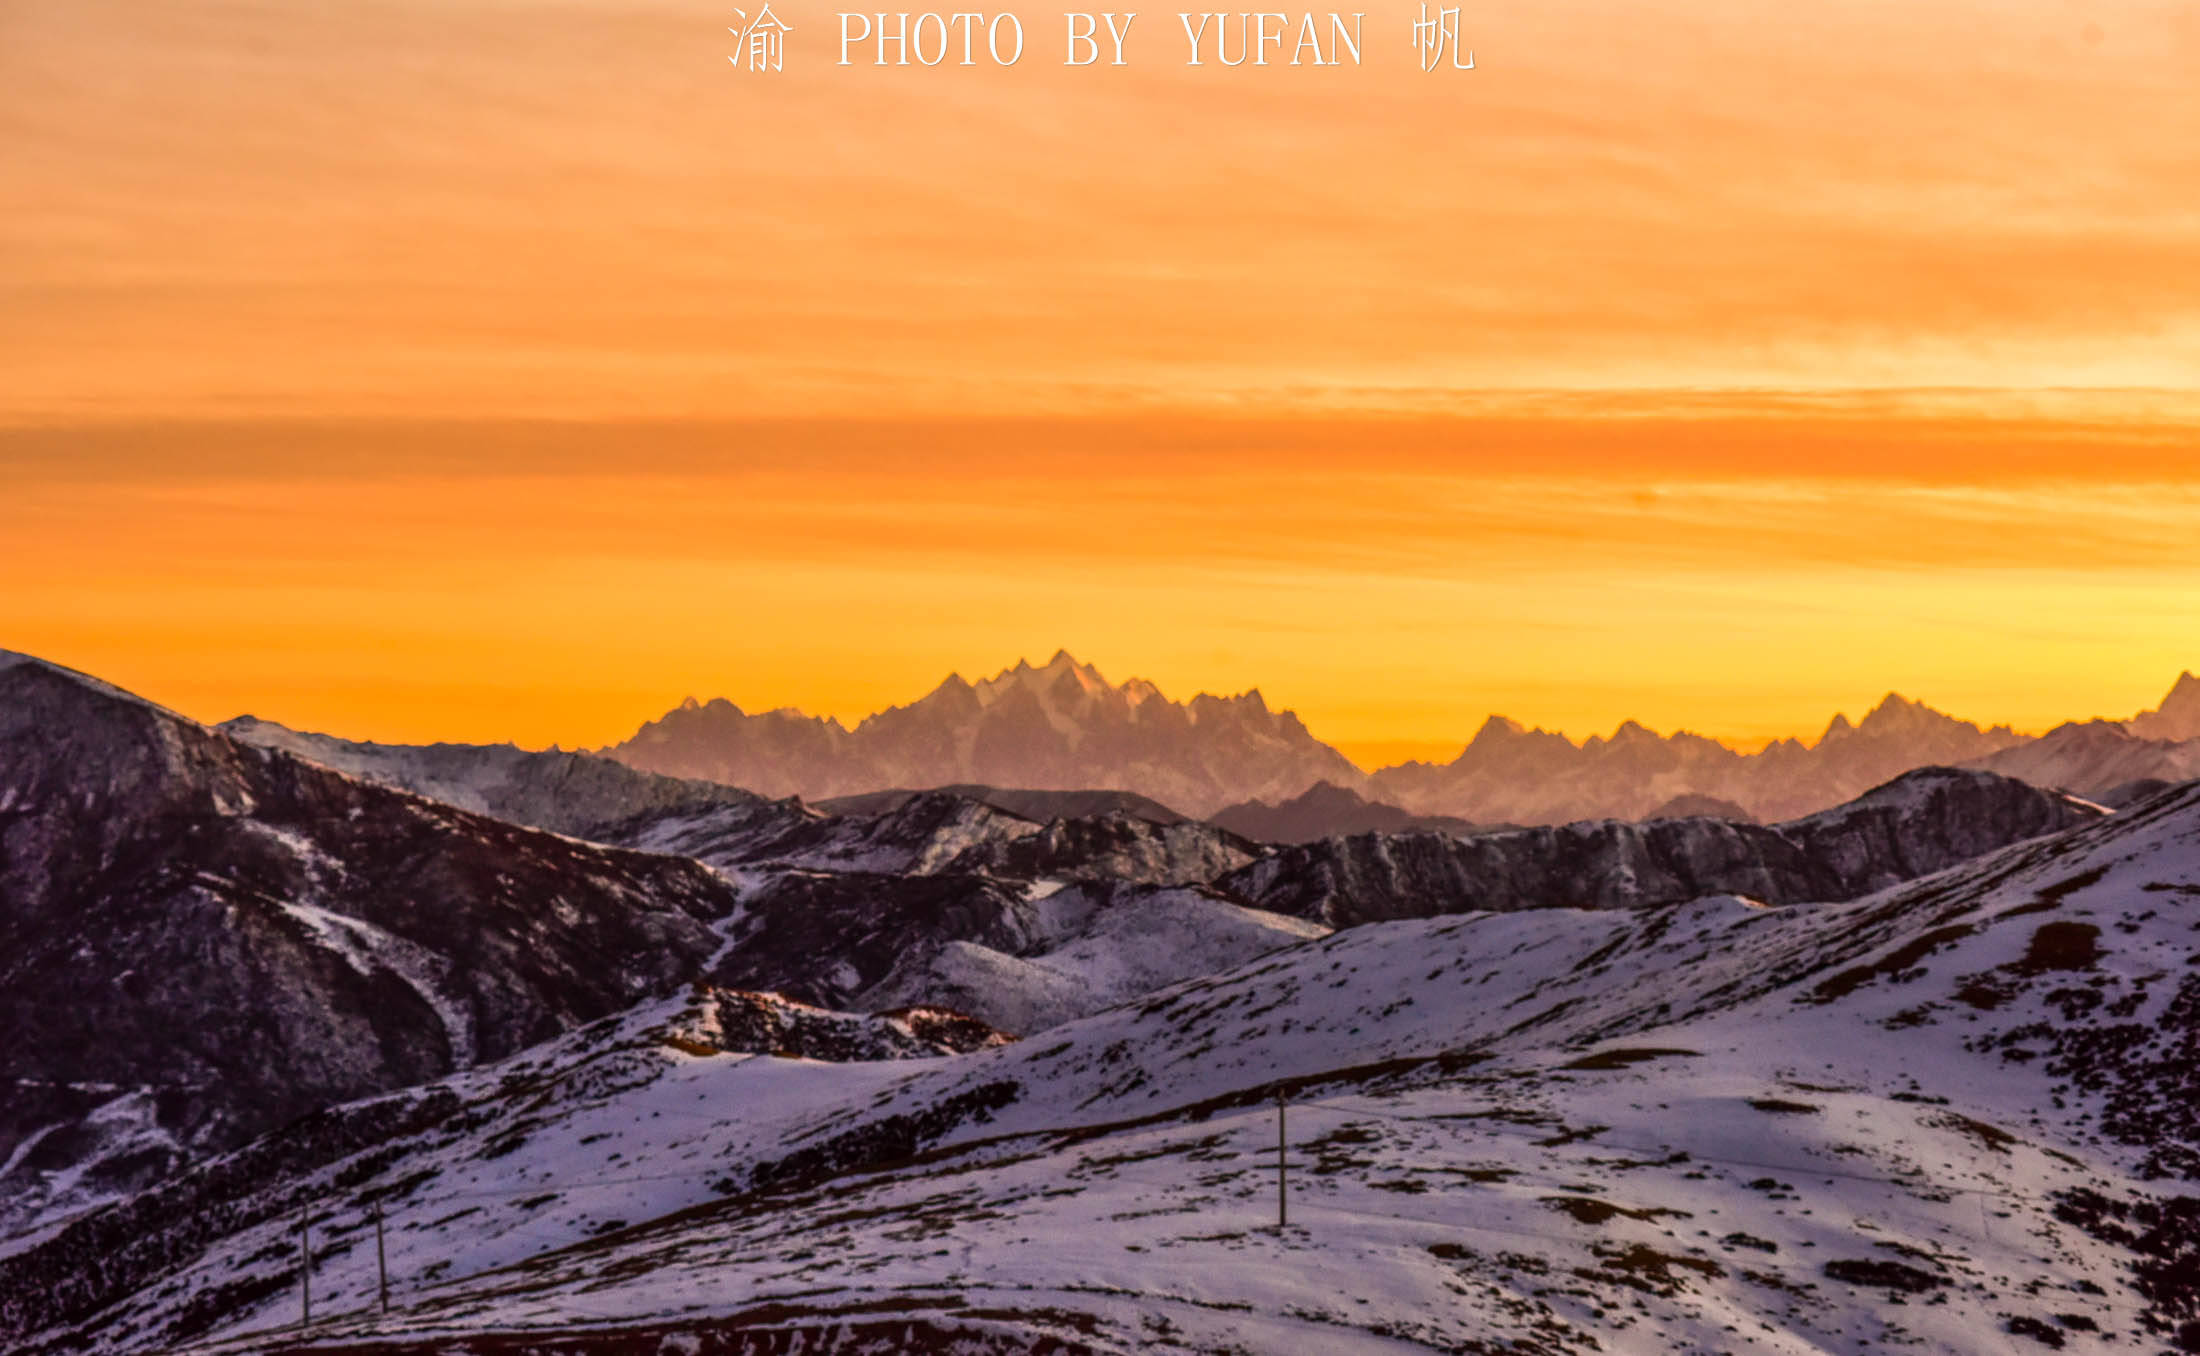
(487,369)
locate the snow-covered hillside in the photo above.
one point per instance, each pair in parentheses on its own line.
(256,936)
(201,939)
(1958,1115)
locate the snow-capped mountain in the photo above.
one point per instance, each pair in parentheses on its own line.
(1059,741)
(2177,719)
(1919,823)
(1957,1115)
(1512,775)
(2099,756)
(1060,725)
(201,939)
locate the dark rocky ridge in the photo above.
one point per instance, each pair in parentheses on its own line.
(1038,806)
(201,940)
(1918,824)
(935,832)
(1113,847)
(824,938)
(1326,810)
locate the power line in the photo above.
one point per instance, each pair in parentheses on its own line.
(893,1175)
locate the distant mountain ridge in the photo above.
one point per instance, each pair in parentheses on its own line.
(1511,773)
(1261,772)
(1060,725)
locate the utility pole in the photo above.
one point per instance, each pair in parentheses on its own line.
(381,1260)
(1283,1203)
(305,1268)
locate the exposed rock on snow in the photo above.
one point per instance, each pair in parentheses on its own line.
(1917,824)
(487,1135)
(202,939)
(1709,1126)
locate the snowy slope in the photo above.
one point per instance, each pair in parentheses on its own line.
(201,939)
(1018,957)
(1958,1115)
(1096,947)
(621,1119)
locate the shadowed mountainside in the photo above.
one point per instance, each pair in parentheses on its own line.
(201,939)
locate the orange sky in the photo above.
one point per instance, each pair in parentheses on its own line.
(484,369)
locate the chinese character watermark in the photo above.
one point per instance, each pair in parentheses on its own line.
(763,40)
(1432,36)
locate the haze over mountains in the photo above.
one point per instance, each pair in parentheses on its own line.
(1058,726)
(1063,725)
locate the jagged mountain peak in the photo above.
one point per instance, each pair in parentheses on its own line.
(1502,736)
(1142,690)
(1057,725)
(1897,714)
(1632,736)
(2178,717)
(1048,678)
(1512,774)
(1498,731)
